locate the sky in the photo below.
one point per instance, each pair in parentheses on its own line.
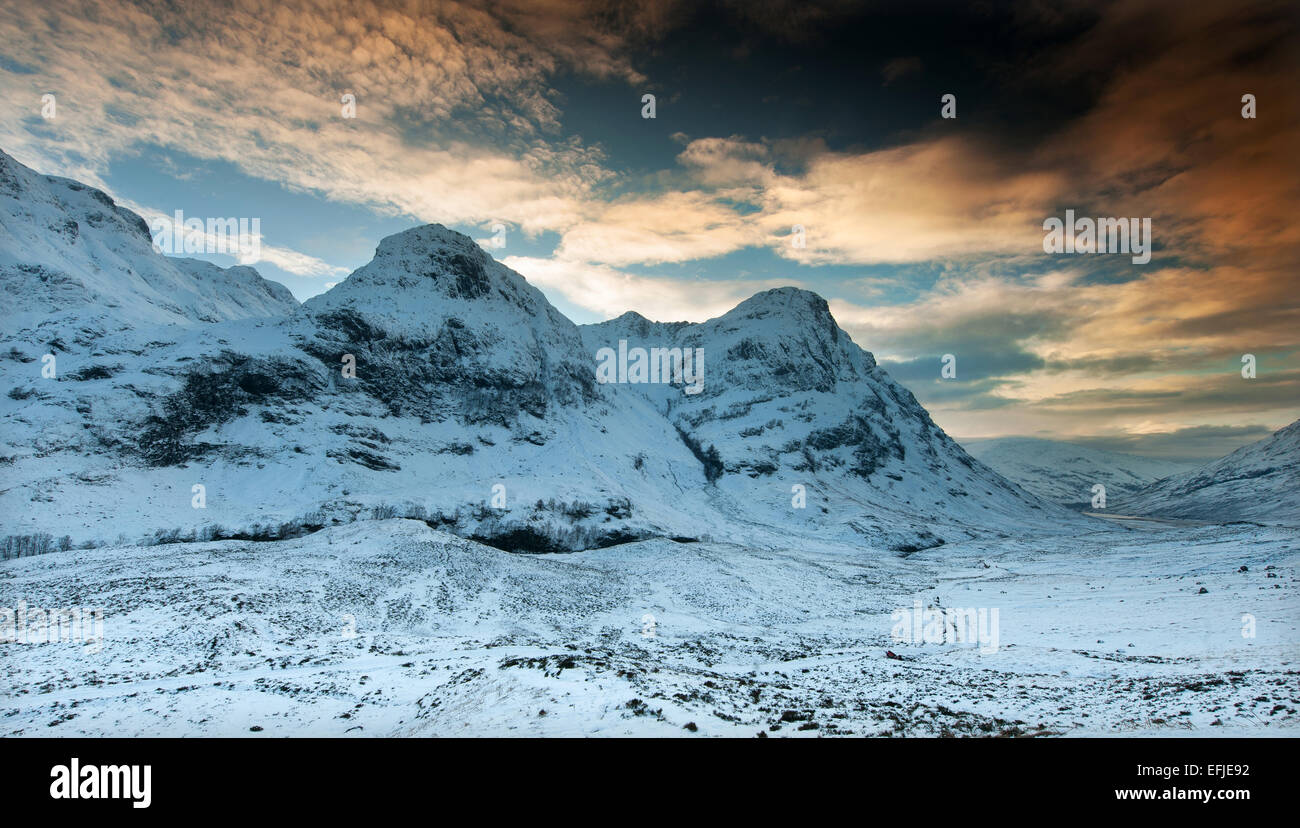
(524,122)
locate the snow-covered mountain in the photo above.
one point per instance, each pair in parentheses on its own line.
(1259,482)
(788,399)
(436,383)
(1065,473)
(74,266)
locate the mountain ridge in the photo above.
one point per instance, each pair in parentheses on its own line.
(436,382)
(72,259)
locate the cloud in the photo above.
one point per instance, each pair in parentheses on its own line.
(453,102)
(927,200)
(1082,355)
(612,292)
(673,227)
(1102,348)
(920,202)
(727,162)
(298,263)
(1166,137)
(1198,443)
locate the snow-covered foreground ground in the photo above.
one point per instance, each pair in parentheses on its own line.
(1102,633)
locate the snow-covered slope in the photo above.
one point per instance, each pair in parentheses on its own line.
(787,400)
(1258,482)
(389,628)
(1065,473)
(436,383)
(75,266)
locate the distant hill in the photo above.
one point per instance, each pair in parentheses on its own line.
(1065,473)
(1258,482)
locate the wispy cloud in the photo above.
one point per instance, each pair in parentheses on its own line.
(288,260)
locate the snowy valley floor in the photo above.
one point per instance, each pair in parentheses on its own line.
(391,628)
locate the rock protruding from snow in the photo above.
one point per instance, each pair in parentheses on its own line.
(1259,482)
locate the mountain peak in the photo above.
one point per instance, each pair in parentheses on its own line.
(453,305)
(425,238)
(427,264)
(784,299)
(789,308)
(786,313)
